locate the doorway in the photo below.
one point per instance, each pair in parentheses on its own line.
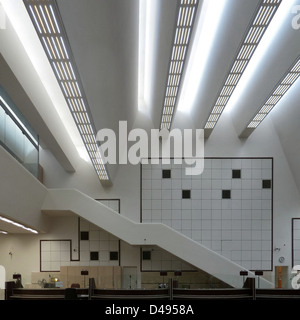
(129,277)
(281,277)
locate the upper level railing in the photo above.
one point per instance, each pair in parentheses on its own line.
(16,135)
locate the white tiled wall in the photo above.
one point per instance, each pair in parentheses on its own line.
(239,228)
(163,261)
(111,203)
(57,253)
(54,254)
(99,241)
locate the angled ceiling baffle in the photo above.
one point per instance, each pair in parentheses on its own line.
(261,20)
(186,13)
(49,26)
(279,91)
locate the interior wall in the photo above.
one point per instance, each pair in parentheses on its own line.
(21,253)
(264,141)
(223,142)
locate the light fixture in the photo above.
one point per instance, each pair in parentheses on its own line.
(280,90)
(262,18)
(19,225)
(148,31)
(3,232)
(185,22)
(205,35)
(49,27)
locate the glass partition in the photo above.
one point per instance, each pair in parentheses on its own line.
(16,135)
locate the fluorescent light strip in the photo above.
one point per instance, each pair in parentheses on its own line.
(260,23)
(45,18)
(280,90)
(185,21)
(3,232)
(19,225)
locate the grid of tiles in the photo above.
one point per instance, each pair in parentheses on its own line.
(296,242)
(97,247)
(227,208)
(54,253)
(156,259)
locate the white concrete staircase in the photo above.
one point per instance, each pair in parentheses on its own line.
(23,197)
(147,234)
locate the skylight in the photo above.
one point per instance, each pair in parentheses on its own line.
(207,26)
(46,19)
(148,30)
(256,30)
(185,21)
(280,90)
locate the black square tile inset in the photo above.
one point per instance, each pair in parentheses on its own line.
(94,255)
(186,194)
(266,184)
(84,235)
(166,174)
(146,255)
(226,194)
(114,255)
(236,174)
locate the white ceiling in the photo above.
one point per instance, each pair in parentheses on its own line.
(103,36)
(104,39)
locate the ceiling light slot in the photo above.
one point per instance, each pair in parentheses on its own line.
(45,17)
(261,21)
(185,21)
(279,91)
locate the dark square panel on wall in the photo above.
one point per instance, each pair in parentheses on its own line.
(166,174)
(226,194)
(146,255)
(236,174)
(84,235)
(94,255)
(186,194)
(114,255)
(266,184)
